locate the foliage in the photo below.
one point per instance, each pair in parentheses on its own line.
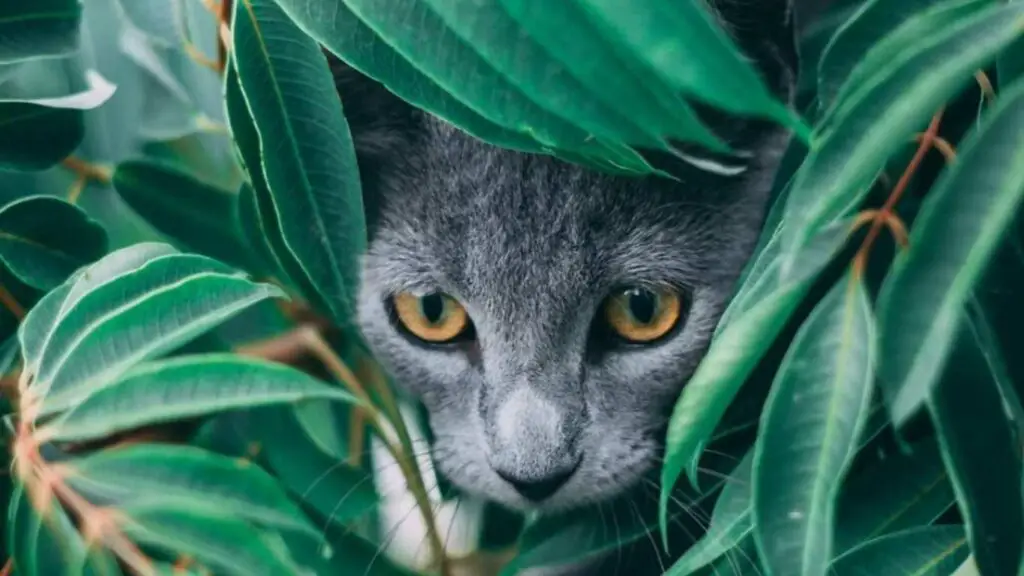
(181,221)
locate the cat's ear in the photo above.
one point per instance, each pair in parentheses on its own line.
(381,123)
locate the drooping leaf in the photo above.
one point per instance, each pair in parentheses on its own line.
(226,544)
(93,90)
(810,429)
(982,454)
(732,357)
(141,314)
(899,492)
(876,121)
(331,487)
(44,239)
(38,29)
(687,47)
(570,78)
(163,473)
(197,214)
(926,551)
(182,388)
(312,174)
(439,58)
(954,236)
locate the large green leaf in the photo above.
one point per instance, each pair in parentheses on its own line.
(686,46)
(34,138)
(877,120)
(338,492)
(197,214)
(954,236)
(163,473)
(732,357)
(35,332)
(810,429)
(570,78)
(926,551)
(185,387)
(440,55)
(864,43)
(901,491)
(144,313)
(38,29)
(312,173)
(44,239)
(225,544)
(982,454)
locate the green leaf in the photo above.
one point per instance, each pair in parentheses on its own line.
(46,543)
(338,492)
(731,522)
(34,138)
(438,54)
(39,325)
(732,357)
(982,454)
(185,387)
(44,239)
(142,314)
(926,551)
(864,42)
(226,544)
(312,175)
(686,46)
(901,491)
(570,78)
(162,473)
(810,428)
(954,236)
(38,29)
(875,122)
(64,93)
(199,215)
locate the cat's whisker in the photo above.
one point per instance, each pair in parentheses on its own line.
(648,533)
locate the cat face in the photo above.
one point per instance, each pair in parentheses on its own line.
(547,316)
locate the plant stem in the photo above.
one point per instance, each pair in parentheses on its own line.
(11,303)
(87,170)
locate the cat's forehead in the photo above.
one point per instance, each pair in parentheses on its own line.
(495,224)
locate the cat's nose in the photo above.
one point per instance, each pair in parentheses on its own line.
(538,488)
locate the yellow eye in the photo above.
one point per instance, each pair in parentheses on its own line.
(433,317)
(641,316)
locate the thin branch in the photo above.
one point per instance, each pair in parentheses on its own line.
(11,303)
(223,33)
(985,84)
(87,170)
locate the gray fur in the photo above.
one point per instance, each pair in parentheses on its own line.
(530,246)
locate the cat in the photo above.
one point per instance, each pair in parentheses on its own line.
(547,315)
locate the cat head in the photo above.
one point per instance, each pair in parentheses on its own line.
(546,315)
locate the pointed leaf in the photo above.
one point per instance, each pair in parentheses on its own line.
(185,387)
(926,551)
(37,29)
(160,473)
(142,314)
(730,360)
(879,119)
(227,545)
(312,175)
(197,214)
(901,491)
(954,236)
(44,239)
(810,430)
(982,454)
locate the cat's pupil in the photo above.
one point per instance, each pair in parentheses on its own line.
(642,305)
(432,306)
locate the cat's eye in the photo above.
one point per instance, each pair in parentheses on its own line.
(433,317)
(642,316)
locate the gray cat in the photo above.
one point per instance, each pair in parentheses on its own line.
(547,315)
